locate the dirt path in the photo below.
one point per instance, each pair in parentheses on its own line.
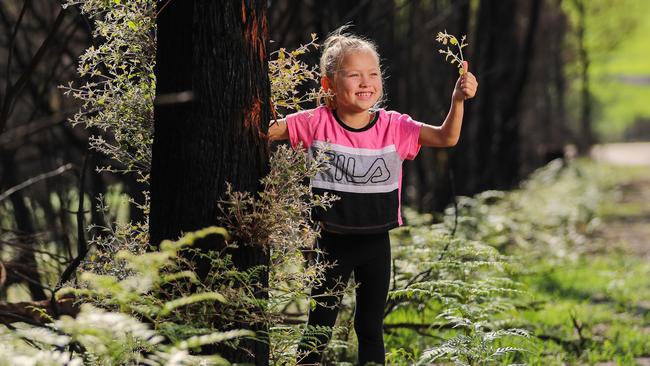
(628,227)
(633,153)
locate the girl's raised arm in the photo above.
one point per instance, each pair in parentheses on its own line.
(278,130)
(446,135)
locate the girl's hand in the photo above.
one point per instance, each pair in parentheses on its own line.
(278,130)
(466,85)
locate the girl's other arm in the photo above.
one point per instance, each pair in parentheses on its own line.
(448,133)
(278,130)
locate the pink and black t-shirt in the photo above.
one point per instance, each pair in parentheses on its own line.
(364,166)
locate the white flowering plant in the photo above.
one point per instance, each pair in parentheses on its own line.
(447,39)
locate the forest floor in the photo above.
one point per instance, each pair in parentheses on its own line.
(629,154)
(626,221)
(628,226)
(582,232)
(597,306)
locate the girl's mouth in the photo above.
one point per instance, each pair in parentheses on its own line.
(364,95)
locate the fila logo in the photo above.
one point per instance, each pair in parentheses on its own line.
(345,167)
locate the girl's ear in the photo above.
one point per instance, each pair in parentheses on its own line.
(327,86)
(325,83)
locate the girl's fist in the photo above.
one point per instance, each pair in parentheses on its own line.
(466,84)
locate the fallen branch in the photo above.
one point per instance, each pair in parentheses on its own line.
(37,312)
(420,326)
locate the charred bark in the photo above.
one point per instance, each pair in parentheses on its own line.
(489,155)
(211,115)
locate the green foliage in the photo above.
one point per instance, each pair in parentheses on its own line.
(131,237)
(581,302)
(519,283)
(551,215)
(466,287)
(287,73)
(278,219)
(616,42)
(604,294)
(119,86)
(155,315)
(477,349)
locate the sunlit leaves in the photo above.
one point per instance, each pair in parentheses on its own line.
(456,58)
(118,84)
(287,74)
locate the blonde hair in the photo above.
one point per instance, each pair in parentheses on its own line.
(336,46)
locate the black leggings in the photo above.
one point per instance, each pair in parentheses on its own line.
(368,256)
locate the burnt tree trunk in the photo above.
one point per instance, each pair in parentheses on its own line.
(210,117)
(488,153)
(507,162)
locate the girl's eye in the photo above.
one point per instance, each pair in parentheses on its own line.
(374,74)
(353,75)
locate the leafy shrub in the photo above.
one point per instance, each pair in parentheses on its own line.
(135,324)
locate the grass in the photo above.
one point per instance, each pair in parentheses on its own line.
(621,102)
(607,296)
(620,105)
(606,290)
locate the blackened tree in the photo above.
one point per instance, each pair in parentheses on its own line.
(211,115)
(489,155)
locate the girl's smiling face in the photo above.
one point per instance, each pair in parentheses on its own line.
(357,84)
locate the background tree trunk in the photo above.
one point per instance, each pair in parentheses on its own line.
(214,52)
(586,135)
(28,270)
(488,155)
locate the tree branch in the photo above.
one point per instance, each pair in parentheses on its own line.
(13,90)
(38,178)
(15,137)
(12,43)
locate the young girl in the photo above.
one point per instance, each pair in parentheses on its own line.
(366,147)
